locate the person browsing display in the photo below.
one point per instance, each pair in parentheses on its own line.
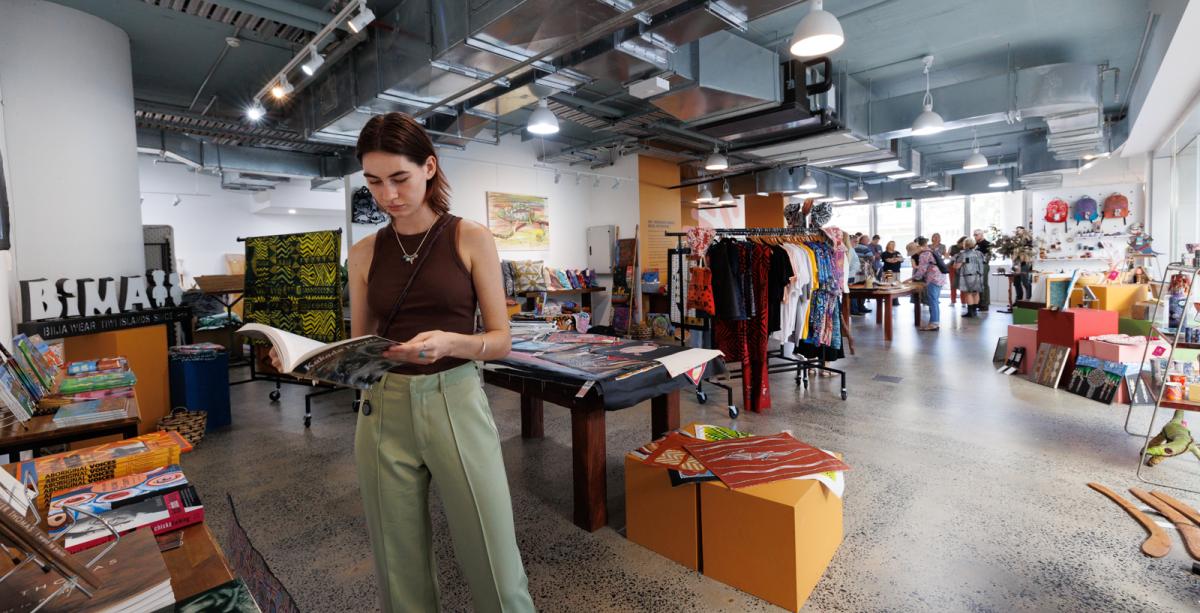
(418,281)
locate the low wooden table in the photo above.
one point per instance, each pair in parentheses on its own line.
(198,564)
(883,297)
(42,432)
(588,443)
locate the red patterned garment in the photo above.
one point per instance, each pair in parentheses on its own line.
(756,385)
(755,460)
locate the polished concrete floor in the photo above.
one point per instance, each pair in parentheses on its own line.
(967,493)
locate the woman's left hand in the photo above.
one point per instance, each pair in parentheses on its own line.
(424,348)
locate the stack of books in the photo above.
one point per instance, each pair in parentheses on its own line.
(92,376)
(92,411)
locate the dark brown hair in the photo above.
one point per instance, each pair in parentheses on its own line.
(400,134)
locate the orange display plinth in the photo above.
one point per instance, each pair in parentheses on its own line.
(146,351)
(772,540)
(659,517)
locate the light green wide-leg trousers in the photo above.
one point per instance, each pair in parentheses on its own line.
(440,427)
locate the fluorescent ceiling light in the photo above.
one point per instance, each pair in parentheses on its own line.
(999,180)
(716,161)
(876,167)
(255,111)
(365,16)
(291,211)
(818,33)
(315,60)
(928,122)
(809,183)
(908,174)
(542,120)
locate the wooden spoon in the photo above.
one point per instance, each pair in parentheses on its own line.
(1188,531)
(1158,544)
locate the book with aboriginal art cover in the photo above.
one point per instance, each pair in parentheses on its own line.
(103,496)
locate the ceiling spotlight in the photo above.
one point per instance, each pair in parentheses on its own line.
(315,60)
(705,196)
(726,196)
(282,88)
(818,33)
(976,159)
(860,194)
(255,111)
(176,201)
(716,161)
(1000,180)
(928,122)
(809,183)
(365,16)
(542,120)
(291,211)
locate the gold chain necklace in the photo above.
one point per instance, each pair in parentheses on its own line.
(413,256)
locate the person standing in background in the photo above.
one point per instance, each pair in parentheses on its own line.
(955,249)
(983,246)
(930,273)
(877,252)
(970,268)
(936,246)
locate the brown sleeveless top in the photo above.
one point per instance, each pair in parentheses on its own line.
(442,296)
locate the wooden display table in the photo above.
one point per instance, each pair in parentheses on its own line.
(588,443)
(198,564)
(42,432)
(883,297)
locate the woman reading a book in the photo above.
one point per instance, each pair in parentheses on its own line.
(419,281)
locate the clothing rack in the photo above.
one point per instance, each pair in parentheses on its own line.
(777,361)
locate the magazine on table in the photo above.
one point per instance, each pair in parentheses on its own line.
(356,362)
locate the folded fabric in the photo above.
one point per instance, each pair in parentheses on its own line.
(1120,339)
(755,460)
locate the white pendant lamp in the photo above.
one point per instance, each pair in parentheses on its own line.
(809,183)
(716,161)
(928,122)
(542,120)
(705,196)
(1000,180)
(818,33)
(726,196)
(860,194)
(976,160)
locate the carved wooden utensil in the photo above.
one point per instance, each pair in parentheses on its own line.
(1188,531)
(1158,544)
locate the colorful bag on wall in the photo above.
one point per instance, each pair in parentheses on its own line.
(1086,210)
(1116,206)
(1057,211)
(700,290)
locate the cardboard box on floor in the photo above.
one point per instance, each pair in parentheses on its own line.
(772,540)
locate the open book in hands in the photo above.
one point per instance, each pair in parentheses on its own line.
(356,362)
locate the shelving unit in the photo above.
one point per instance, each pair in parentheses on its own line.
(1156,389)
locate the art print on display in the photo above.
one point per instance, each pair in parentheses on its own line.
(1097,379)
(1049,365)
(519,222)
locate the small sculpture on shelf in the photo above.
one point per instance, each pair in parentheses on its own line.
(1175,439)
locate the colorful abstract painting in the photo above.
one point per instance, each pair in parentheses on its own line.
(519,222)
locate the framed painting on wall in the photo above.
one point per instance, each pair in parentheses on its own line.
(519,222)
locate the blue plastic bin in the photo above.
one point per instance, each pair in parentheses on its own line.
(200,381)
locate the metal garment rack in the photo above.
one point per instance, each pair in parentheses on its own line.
(777,361)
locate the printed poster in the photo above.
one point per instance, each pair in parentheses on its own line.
(519,222)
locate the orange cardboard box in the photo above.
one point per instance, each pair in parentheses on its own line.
(659,517)
(772,540)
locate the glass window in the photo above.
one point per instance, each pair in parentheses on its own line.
(1001,209)
(852,218)
(943,216)
(894,223)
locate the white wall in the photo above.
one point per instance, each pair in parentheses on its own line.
(69,130)
(209,220)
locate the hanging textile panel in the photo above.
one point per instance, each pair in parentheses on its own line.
(294,282)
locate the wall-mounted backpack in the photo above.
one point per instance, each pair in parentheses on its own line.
(1057,211)
(1116,206)
(1085,209)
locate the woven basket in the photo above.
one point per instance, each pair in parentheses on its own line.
(189,424)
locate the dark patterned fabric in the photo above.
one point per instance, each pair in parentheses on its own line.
(294,283)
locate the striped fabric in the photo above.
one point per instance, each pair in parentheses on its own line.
(743,462)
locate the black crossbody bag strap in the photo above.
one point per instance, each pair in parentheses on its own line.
(436,231)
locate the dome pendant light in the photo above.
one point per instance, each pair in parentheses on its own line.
(716,161)
(726,196)
(809,183)
(1000,180)
(705,196)
(928,122)
(818,33)
(542,120)
(976,159)
(860,194)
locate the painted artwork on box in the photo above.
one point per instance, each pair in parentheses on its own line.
(1097,379)
(1048,367)
(519,222)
